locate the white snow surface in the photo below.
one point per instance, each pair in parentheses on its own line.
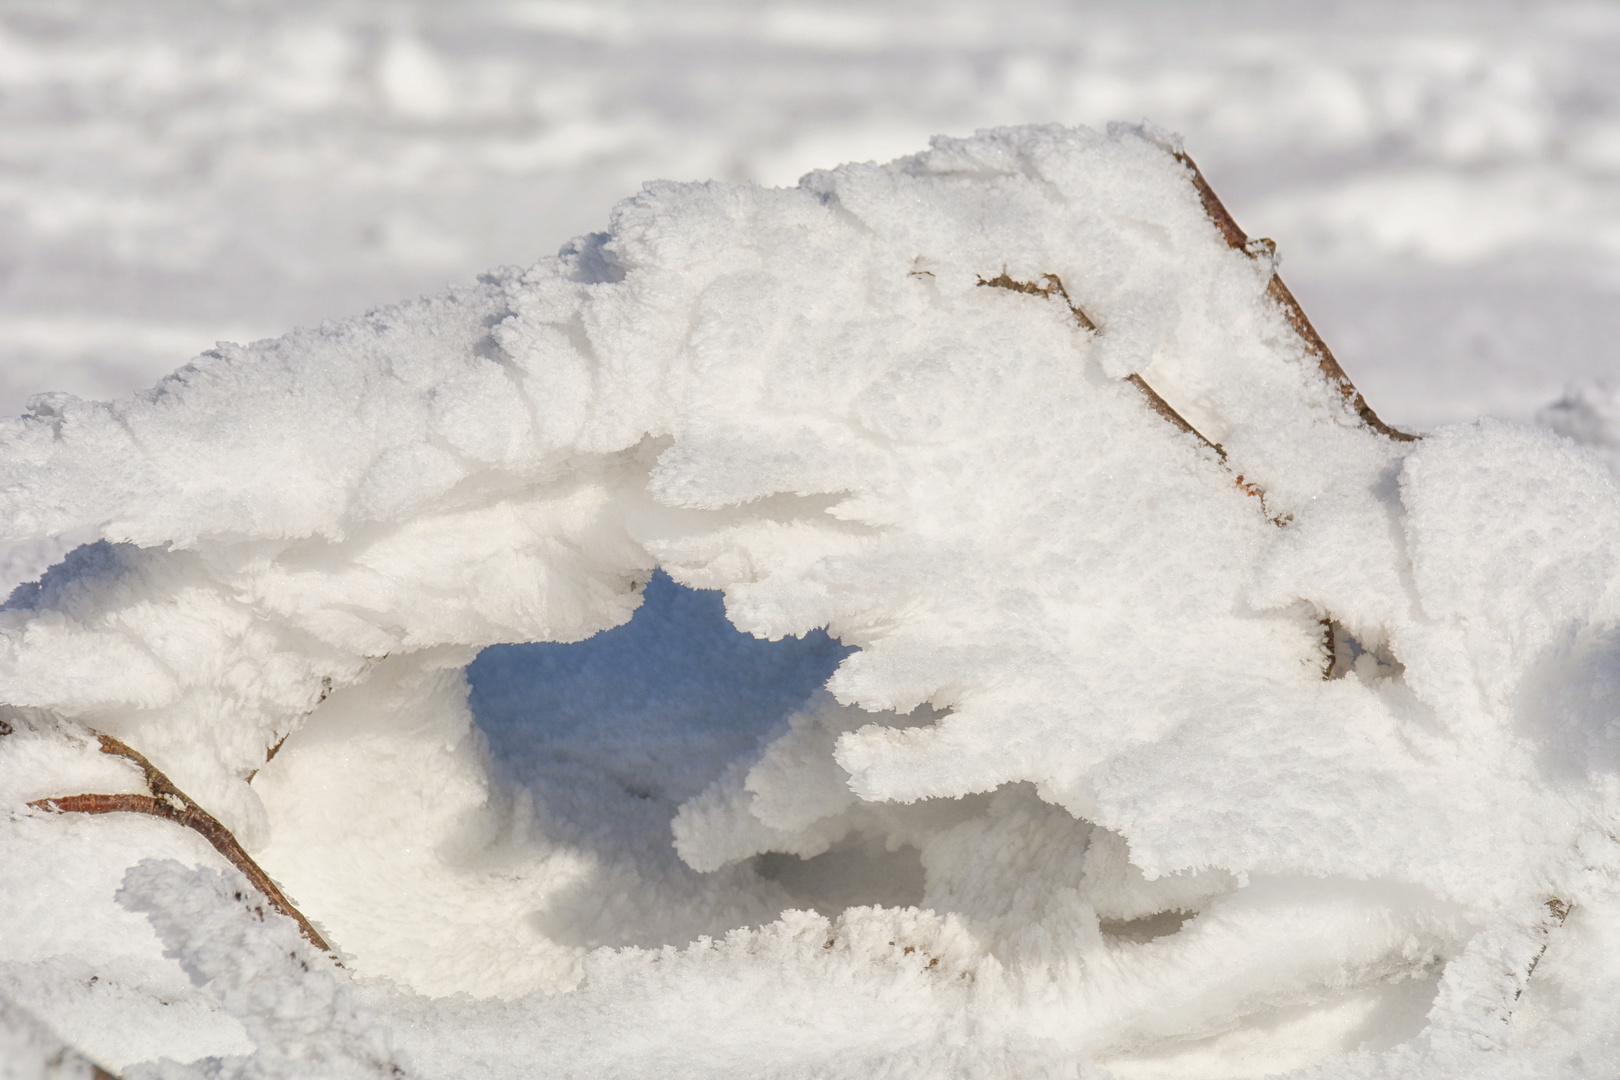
(1077,799)
(1443,176)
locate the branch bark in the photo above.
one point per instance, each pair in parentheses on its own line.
(170,803)
(1314,345)
(1052,285)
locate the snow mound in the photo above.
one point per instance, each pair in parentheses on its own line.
(1230,735)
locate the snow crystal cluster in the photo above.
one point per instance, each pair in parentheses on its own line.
(1274,744)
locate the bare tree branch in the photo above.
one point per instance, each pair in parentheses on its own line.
(1314,345)
(1052,285)
(170,803)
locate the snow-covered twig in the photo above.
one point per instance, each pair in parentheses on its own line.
(1557,911)
(1052,285)
(1314,345)
(170,803)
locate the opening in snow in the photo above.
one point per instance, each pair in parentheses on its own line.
(662,703)
(649,714)
(1146,928)
(854,872)
(1369,657)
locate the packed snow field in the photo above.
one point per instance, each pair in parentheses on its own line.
(923,619)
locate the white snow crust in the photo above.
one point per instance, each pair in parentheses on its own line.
(1077,800)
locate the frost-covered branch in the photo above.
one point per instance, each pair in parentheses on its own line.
(1314,345)
(1052,285)
(170,803)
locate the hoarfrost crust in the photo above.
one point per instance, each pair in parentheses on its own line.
(294,1005)
(1089,690)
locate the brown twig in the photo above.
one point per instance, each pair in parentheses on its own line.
(170,803)
(1164,409)
(271,752)
(1557,911)
(1238,239)
(1052,285)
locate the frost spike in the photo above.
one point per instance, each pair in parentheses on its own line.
(1237,239)
(172,804)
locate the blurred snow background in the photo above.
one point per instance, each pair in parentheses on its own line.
(1444,179)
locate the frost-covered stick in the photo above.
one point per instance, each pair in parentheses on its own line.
(172,804)
(1279,292)
(1557,911)
(1053,286)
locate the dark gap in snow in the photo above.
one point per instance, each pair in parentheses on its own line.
(1146,928)
(1369,660)
(609,736)
(663,703)
(93,561)
(857,870)
(589,260)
